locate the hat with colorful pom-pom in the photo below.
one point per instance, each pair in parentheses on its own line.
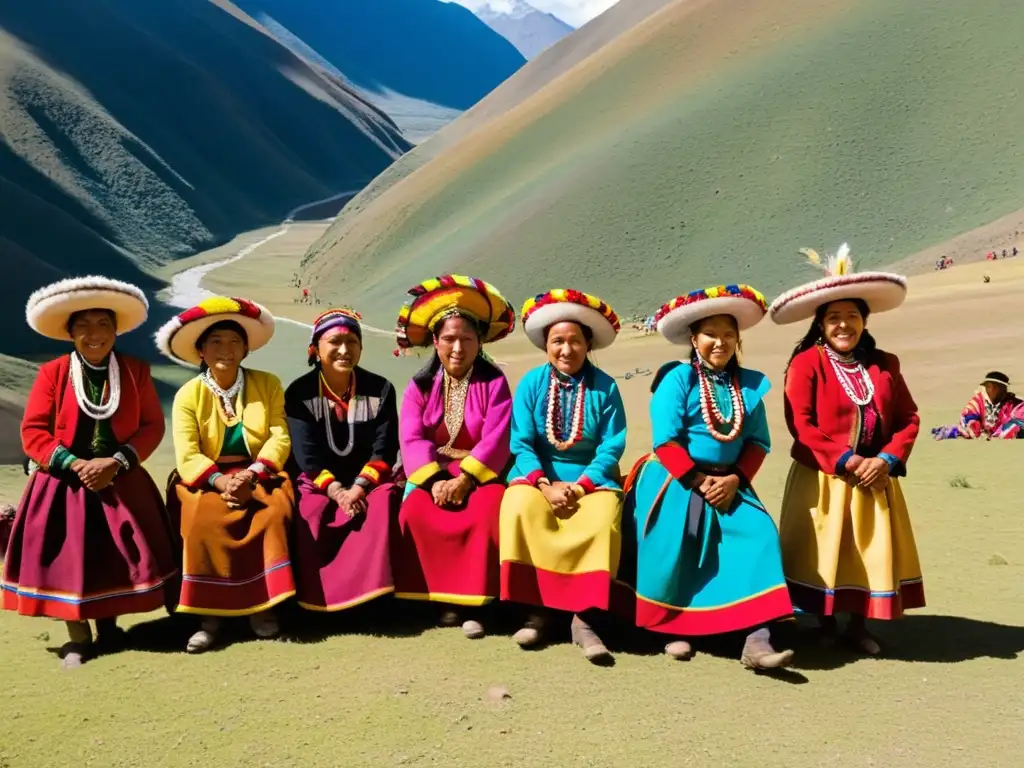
(746,304)
(567,305)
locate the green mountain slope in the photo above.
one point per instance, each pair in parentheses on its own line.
(708,146)
(132,133)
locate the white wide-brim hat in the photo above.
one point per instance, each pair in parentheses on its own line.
(566,305)
(49,308)
(178,336)
(746,304)
(881,291)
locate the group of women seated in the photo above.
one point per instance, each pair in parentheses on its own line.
(325,493)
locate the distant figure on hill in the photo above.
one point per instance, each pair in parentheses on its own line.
(992,413)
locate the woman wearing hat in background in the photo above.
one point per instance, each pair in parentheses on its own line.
(561,516)
(344,427)
(229,491)
(454,433)
(90,538)
(847,542)
(992,413)
(708,552)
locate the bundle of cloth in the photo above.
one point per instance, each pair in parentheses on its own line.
(992,413)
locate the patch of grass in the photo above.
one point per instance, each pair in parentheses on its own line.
(959,481)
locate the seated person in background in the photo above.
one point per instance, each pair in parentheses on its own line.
(993,412)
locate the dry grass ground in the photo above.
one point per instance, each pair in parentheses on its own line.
(385,688)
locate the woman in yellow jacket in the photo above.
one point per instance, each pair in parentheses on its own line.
(229,489)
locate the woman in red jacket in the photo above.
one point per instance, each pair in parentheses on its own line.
(847,542)
(90,537)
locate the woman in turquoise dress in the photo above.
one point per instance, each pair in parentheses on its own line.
(708,557)
(561,517)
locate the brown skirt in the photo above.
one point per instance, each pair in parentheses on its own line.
(236,561)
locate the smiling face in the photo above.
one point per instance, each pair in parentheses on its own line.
(842,326)
(223,350)
(567,347)
(716,339)
(339,350)
(457,343)
(93,332)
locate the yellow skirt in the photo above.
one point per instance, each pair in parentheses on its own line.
(564,563)
(846,549)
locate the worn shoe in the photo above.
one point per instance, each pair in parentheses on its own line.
(73,655)
(473,629)
(450,619)
(586,638)
(680,650)
(859,639)
(205,638)
(531,632)
(759,654)
(265,625)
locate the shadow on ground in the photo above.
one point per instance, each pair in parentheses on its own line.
(919,638)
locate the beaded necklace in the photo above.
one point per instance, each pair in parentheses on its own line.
(100,411)
(227,396)
(564,436)
(343,408)
(714,420)
(852,376)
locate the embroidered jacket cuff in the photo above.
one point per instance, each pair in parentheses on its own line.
(62,459)
(424,473)
(130,455)
(586,484)
(841,464)
(204,476)
(535,478)
(323,480)
(676,460)
(374,473)
(264,468)
(477,469)
(896,468)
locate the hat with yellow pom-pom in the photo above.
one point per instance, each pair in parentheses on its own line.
(439,298)
(568,305)
(881,291)
(746,304)
(178,337)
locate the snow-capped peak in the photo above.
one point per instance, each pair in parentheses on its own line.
(514,9)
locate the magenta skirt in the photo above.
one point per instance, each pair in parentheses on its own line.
(342,562)
(77,555)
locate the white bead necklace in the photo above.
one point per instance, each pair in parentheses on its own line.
(328,409)
(102,411)
(843,374)
(227,396)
